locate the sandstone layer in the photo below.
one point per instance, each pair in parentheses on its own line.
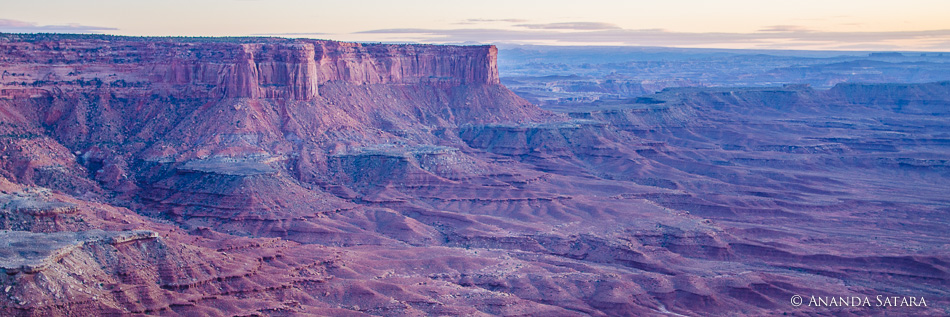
(264,176)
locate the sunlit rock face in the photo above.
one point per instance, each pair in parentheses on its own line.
(264,176)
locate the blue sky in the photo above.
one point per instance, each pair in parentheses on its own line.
(802,24)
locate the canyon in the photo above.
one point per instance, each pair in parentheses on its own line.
(552,75)
(270,176)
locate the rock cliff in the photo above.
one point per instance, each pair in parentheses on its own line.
(266,176)
(244,68)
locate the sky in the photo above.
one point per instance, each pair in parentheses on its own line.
(907,25)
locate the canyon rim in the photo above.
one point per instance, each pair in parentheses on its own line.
(273,176)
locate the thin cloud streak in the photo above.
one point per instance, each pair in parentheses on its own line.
(578,26)
(16,26)
(785,28)
(290,33)
(477,21)
(788,36)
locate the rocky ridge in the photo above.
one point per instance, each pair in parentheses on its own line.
(316,177)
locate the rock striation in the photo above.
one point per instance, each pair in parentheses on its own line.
(244,68)
(31,253)
(266,176)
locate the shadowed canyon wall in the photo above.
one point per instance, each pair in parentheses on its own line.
(266,176)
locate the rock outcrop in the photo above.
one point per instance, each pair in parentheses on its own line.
(267,68)
(32,253)
(265,176)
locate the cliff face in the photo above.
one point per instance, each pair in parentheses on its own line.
(243,96)
(406,64)
(268,68)
(243,176)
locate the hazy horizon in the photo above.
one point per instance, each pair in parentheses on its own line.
(875,25)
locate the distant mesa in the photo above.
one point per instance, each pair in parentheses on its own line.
(886,54)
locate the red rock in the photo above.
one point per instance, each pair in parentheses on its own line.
(325,178)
